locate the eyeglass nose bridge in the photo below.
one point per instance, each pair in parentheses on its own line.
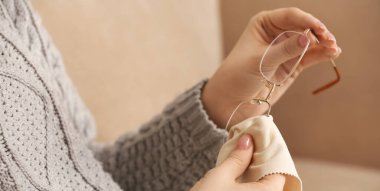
(271,86)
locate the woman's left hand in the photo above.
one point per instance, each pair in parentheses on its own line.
(239,78)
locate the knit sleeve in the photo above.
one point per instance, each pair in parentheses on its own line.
(171,152)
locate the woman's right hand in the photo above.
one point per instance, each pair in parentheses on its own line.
(224,177)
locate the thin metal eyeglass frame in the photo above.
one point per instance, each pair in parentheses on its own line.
(271,85)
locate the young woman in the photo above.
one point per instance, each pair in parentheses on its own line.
(46,132)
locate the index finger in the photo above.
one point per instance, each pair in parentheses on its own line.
(295,19)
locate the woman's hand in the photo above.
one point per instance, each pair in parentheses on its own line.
(224,177)
(239,78)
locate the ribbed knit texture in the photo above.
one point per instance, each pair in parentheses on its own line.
(47,133)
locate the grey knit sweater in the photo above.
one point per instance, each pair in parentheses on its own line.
(46,132)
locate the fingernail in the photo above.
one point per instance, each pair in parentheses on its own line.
(245,142)
(333,50)
(321,26)
(331,37)
(302,41)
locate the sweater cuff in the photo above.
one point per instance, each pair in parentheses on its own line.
(171,152)
(204,134)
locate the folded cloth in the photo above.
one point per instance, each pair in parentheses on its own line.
(270,154)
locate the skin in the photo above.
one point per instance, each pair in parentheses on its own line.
(239,79)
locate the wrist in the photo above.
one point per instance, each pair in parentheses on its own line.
(213,105)
(219,105)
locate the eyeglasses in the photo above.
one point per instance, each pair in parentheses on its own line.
(288,69)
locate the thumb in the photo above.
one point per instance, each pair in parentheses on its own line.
(286,49)
(239,159)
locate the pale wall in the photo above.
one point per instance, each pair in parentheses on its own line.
(129,58)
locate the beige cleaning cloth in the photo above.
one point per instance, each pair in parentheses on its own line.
(270,154)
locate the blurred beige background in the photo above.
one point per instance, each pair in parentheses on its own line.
(129,58)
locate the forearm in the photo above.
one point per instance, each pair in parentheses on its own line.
(171,152)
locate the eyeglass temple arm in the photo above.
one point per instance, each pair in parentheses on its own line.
(325,87)
(332,83)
